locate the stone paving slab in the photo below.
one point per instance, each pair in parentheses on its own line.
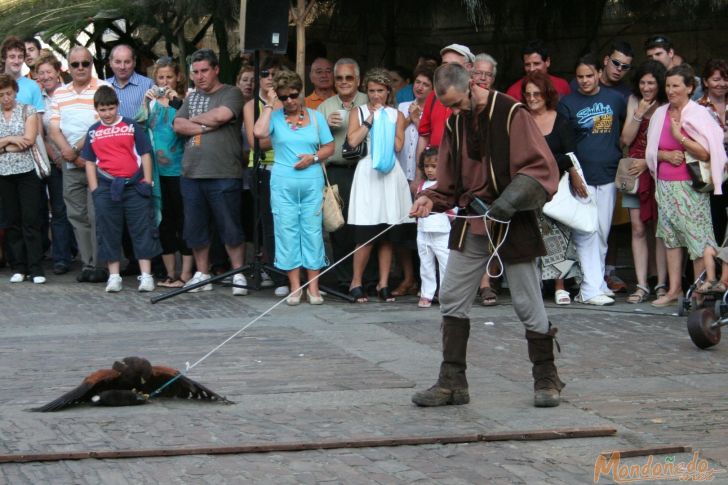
(344,371)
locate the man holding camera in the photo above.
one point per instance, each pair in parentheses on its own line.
(494,162)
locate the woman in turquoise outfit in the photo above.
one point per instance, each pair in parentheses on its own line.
(301,141)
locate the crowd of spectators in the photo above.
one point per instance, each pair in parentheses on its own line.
(160,168)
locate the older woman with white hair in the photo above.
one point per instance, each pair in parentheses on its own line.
(380,193)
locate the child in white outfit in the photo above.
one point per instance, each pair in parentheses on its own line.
(433,233)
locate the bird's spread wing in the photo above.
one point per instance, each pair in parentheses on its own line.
(183,387)
(94,383)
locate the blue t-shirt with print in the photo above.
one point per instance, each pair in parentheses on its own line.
(168,146)
(289,143)
(597,123)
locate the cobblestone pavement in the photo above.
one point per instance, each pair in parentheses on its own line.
(343,371)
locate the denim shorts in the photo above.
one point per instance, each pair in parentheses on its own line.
(212,199)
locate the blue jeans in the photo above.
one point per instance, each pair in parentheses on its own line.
(137,208)
(63,240)
(218,199)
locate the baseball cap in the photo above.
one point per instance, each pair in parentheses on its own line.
(460,49)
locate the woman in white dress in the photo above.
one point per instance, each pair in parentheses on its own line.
(380,194)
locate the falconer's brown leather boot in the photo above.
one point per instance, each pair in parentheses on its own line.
(451,386)
(546,383)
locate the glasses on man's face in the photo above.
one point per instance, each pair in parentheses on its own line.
(76,65)
(264,73)
(621,66)
(285,98)
(348,79)
(532,95)
(483,74)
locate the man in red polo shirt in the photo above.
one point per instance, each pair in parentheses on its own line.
(536,58)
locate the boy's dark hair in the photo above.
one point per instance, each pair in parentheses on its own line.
(426,153)
(623,47)
(105,96)
(32,40)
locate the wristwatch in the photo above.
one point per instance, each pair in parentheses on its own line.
(315,158)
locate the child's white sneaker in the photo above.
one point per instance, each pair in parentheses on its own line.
(113,285)
(146,282)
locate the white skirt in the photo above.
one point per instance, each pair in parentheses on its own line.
(378,198)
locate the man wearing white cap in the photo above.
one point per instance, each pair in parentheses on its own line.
(434,114)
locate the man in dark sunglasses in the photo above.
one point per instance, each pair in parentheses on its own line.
(72,113)
(617,64)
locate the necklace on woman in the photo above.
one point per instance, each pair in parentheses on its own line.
(298,124)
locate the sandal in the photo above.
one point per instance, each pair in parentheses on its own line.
(639,295)
(705,287)
(385,294)
(405,289)
(424,303)
(660,290)
(562,297)
(170,282)
(488,297)
(357,293)
(719,287)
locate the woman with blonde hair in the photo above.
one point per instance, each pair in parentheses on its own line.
(380,194)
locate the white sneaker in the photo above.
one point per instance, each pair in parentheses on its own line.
(239,279)
(146,282)
(39,280)
(608,292)
(113,285)
(199,277)
(281,291)
(265,280)
(17,278)
(599,300)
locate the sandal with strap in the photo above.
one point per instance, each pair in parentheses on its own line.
(639,295)
(488,296)
(705,287)
(660,290)
(719,287)
(385,295)
(562,297)
(405,289)
(357,293)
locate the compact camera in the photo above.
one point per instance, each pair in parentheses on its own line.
(159,91)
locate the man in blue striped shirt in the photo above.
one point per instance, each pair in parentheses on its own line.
(129,85)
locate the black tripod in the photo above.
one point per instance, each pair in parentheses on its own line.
(257,266)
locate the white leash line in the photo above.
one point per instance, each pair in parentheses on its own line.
(189,367)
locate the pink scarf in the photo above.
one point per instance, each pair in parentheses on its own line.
(700,125)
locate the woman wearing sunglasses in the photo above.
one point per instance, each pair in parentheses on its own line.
(301,140)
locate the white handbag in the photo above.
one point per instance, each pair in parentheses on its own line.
(572,211)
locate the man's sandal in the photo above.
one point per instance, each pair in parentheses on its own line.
(639,295)
(660,290)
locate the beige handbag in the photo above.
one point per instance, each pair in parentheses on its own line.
(626,183)
(332,206)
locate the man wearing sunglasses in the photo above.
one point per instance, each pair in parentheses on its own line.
(337,110)
(72,113)
(617,64)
